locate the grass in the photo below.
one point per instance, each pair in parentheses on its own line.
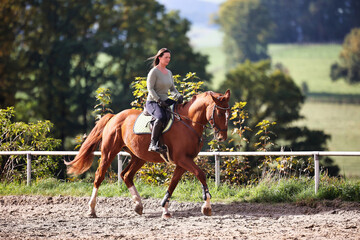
(341,121)
(284,190)
(311,63)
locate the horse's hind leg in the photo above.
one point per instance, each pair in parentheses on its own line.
(110,148)
(179,171)
(128,175)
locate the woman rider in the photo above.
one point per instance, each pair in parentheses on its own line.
(159,81)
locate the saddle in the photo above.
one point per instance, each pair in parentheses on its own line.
(143,123)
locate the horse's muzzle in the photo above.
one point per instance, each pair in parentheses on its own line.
(221,136)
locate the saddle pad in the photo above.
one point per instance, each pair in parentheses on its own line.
(142,124)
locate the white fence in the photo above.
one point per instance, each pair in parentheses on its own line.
(315,154)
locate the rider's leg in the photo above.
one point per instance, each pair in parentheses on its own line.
(160,118)
(155,135)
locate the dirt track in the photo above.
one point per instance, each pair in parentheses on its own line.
(36,217)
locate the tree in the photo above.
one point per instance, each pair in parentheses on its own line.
(312,20)
(246,25)
(272,95)
(60,52)
(349,66)
(9,27)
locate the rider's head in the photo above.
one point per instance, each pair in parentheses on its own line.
(159,54)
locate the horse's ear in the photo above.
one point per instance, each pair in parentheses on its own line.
(215,99)
(227,95)
(221,98)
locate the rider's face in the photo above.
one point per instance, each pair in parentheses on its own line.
(165,59)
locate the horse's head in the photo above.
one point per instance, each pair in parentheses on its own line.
(217,114)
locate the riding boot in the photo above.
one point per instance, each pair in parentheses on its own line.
(155,135)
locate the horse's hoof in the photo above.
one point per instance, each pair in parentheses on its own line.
(92,215)
(206,211)
(166,216)
(139,209)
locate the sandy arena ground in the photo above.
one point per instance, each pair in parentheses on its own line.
(37,217)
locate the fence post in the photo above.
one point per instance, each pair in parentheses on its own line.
(217,171)
(317,172)
(28,169)
(120,168)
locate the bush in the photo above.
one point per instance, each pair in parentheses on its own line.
(20,136)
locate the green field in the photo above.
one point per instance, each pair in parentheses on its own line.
(342,122)
(311,63)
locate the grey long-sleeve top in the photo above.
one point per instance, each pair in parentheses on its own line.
(159,84)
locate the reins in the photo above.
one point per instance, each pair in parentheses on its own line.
(179,116)
(213,125)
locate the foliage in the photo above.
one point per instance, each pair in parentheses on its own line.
(9,24)
(238,170)
(103,97)
(312,20)
(57,53)
(161,173)
(246,25)
(140,93)
(20,136)
(349,66)
(264,142)
(155,173)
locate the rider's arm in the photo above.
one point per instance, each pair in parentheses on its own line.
(150,83)
(173,91)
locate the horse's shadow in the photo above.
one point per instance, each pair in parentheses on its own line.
(270,210)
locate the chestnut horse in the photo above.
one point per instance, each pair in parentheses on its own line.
(184,142)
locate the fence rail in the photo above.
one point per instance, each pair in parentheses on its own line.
(314,154)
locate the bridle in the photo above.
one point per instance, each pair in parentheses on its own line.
(213,124)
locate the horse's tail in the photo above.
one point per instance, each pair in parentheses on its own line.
(85,157)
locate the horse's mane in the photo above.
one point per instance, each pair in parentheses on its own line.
(187,104)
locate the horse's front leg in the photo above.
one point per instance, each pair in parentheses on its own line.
(190,166)
(179,171)
(206,207)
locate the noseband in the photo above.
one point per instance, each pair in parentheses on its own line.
(213,123)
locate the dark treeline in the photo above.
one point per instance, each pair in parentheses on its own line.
(312,20)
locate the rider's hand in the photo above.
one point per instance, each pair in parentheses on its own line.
(180,99)
(162,103)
